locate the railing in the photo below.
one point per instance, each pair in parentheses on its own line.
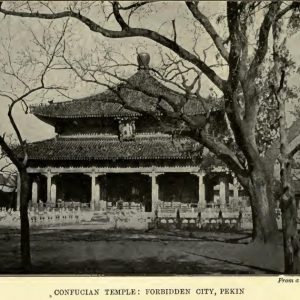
(185,217)
(125,206)
(44,216)
(199,223)
(41,216)
(59,204)
(55,217)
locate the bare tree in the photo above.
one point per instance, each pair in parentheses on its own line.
(288,206)
(27,72)
(241,41)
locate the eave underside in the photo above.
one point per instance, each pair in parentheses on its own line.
(114,163)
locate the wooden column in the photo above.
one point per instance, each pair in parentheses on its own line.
(97,195)
(53,193)
(154,192)
(201,189)
(99,201)
(93,190)
(34,192)
(201,195)
(223,191)
(235,192)
(49,176)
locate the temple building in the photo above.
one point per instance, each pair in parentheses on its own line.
(105,154)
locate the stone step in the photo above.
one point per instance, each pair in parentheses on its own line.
(100,218)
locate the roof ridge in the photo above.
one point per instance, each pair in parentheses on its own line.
(113,138)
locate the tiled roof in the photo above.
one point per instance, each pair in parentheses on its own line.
(88,107)
(91,148)
(107,104)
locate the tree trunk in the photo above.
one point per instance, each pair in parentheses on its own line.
(290,237)
(25,233)
(288,202)
(265,227)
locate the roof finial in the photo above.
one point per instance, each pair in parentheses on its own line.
(143,59)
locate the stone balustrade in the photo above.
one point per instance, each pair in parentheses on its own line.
(136,218)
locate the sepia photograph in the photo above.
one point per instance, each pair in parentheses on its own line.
(150,138)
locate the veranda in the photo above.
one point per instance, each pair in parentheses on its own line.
(146,189)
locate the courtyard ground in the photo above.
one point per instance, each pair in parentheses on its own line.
(88,250)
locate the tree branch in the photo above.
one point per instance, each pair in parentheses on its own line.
(280,14)
(262,44)
(135,5)
(193,7)
(223,152)
(129,32)
(118,16)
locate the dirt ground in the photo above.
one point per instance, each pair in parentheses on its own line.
(91,251)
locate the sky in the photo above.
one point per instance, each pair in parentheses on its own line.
(81,43)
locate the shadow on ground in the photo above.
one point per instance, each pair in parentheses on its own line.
(86,251)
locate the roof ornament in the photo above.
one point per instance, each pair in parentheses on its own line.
(143,60)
